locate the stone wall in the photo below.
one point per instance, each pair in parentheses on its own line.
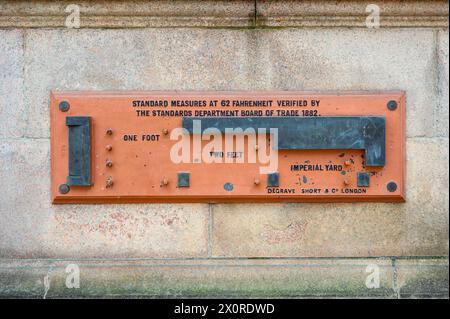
(209,249)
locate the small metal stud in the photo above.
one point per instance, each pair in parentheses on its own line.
(256,181)
(109,131)
(109,182)
(109,163)
(392,105)
(108,148)
(63,188)
(228,187)
(391,187)
(165,131)
(64,106)
(164,182)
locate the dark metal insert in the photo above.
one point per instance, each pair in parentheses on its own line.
(363,179)
(183,179)
(79,150)
(312,133)
(273,180)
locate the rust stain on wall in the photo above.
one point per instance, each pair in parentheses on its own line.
(292,232)
(116,224)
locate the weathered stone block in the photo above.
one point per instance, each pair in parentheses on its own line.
(349,59)
(32,227)
(418,227)
(192,59)
(422,278)
(12,115)
(202,278)
(129,14)
(442,110)
(292,13)
(151,59)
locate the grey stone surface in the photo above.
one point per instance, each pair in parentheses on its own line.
(349,59)
(35,61)
(418,227)
(31,227)
(442,110)
(426,278)
(192,59)
(222,13)
(153,59)
(292,13)
(12,112)
(200,278)
(401,278)
(187,59)
(130,14)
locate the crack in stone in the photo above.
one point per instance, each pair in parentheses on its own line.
(47,280)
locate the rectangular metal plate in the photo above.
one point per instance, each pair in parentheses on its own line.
(79,150)
(328,146)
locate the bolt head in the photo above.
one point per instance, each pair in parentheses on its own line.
(64,106)
(108,148)
(109,131)
(392,105)
(63,188)
(228,187)
(109,182)
(391,187)
(109,163)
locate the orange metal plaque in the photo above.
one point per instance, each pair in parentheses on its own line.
(109,147)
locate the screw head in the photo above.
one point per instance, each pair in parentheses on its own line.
(109,163)
(392,105)
(228,187)
(109,182)
(257,181)
(109,131)
(64,106)
(164,182)
(165,131)
(63,188)
(108,148)
(391,187)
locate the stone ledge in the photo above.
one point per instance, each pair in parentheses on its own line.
(422,278)
(129,14)
(291,13)
(197,278)
(209,13)
(153,278)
